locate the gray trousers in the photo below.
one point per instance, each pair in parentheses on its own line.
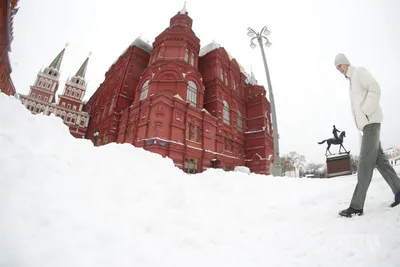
(371,156)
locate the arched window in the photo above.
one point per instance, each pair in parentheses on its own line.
(191,95)
(192,60)
(73,120)
(186,55)
(227,119)
(145,90)
(239,121)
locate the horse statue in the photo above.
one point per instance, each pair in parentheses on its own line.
(334,141)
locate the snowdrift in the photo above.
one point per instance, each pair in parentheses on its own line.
(64,202)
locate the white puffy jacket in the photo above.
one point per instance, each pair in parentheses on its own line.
(365,94)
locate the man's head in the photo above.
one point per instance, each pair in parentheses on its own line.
(342,63)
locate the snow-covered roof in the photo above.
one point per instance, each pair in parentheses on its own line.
(250,78)
(145,45)
(138,42)
(178,96)
(208,48)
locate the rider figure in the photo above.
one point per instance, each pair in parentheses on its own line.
(335,131)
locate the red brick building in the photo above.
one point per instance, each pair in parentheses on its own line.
(42,96)
(196,106)
(8,10)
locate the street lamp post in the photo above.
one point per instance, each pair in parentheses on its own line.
(276,168)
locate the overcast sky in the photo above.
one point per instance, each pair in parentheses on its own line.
(306,35)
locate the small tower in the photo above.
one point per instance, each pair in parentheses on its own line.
(47,81)
(75,89)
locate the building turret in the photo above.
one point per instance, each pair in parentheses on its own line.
(173,63)
(75,89)
(47,80)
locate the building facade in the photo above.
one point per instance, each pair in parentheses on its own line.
(8,10)
(393,155)
(196,106)
(42,96)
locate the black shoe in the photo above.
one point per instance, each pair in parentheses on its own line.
(396,200)
(350,211)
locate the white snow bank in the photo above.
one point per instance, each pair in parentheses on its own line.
(64,202)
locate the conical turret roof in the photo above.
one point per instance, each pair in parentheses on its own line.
(82,70)
(56,63)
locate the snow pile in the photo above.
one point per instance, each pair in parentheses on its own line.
(64,202)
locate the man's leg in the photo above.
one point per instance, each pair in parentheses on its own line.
(389,174)
(367,163)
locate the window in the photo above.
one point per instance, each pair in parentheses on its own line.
(68,105)
(192,60)
(188,130)
(104,112)
(186,55)
(196,134)
(228,144)
(190,165)
(234,85)
(221,74)
(192,94)
(112,105)
(33,94)
(39,97)
(268,128)
(145,90)
(74,107)
(239,121)
(226,78)
(82,122)
(63,104)
(226,113)
(45,99)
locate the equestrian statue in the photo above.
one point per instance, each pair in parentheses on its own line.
(337,140)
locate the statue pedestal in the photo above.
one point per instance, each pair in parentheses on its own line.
(337,165)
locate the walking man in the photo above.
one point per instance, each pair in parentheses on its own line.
(335,131)
(365,95)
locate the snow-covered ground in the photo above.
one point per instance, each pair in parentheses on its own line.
(65,203)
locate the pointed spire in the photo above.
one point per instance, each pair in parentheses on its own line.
(56,63)
(82,70)
(183,10)
(253,79)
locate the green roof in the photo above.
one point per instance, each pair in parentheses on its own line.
(56,63)
(82,70)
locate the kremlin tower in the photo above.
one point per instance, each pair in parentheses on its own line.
(42,96)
